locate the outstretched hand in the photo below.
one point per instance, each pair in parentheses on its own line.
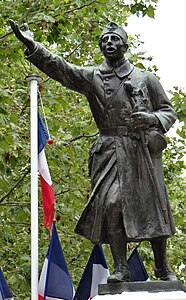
(26,37)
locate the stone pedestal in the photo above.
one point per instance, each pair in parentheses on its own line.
(148,286)
(179,295)
(149,290)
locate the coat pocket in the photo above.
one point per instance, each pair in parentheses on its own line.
(95,148)
(156,142)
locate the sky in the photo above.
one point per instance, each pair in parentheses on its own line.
(165,39)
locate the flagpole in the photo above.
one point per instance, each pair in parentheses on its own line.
(34,79)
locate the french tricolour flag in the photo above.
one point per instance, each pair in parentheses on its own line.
(55,282)
(45,178)
(5,293)
(96,272)
(136,267)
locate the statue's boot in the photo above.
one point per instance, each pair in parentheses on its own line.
(162,269)
(118,247)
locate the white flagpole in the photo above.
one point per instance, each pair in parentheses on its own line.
(34,79)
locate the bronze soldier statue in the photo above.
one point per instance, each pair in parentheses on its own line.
(129,200)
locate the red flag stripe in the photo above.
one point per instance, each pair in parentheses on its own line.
(48,202)
(46,190)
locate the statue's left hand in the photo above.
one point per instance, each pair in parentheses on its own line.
(143,120)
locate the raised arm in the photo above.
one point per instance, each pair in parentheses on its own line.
(71,76)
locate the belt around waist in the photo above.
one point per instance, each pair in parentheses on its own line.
(117,131)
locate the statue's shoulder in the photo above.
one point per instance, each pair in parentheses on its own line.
(144,74)
(140,71)
(138,74)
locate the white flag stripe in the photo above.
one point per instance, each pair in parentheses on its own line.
(43,167)
(99,276)
(49,298)
(42,279)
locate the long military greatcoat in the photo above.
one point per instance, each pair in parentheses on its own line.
(125,163)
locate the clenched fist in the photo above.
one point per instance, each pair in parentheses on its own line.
(143,120)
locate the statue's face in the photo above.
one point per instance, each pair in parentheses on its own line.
(112,46)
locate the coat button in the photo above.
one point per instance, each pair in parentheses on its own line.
(106,79)
(110,106)
(108,92)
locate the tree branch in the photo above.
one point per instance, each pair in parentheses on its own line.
(79,137)
(15,185)
(66,57)
(14,204)
(18,223)
(61,192)
(35,3)
(28,11)
(75,259)
(80,7)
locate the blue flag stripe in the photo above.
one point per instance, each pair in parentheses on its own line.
(4,288)
(99,257)
(57,256)
(43,135)
(58,282)
(85,284)
(84,287)
(56,285)
(1,292)
(136,267)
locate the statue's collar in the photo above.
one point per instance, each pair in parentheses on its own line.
(122,70)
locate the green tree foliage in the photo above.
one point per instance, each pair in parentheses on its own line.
(70,28)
